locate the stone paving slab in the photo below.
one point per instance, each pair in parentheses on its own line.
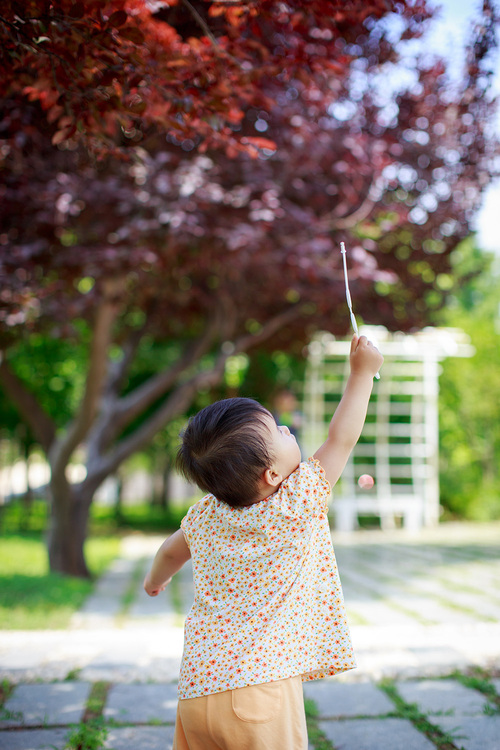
(439,583)
(420,651)
(416,605)
(375,734)
(140,704)
(157,607)
(335,700)
(136,704)
(105,602)
(140,738)
(35,739)
(441,696)
(153,653)
(111,654)
(373,611)
(471,732)
(34,705)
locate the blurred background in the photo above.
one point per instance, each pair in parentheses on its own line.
(176,182)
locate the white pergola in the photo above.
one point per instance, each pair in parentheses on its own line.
(398,447)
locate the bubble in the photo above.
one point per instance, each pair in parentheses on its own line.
(366,481)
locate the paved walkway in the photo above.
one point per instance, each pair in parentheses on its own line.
(425,615)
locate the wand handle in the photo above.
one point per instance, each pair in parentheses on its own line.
(348,297)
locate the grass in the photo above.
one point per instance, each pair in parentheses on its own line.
(420,721)
(31,597)
(87,735)
(96,700)
(316,737)
(6,689)
(479,680)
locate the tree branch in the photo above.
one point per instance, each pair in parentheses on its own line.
(135,403)
(205,27)
(31,43)
(41,425)
(350,221)
(96,378)
(119,369)
(201,22)
(269,328)
(333,221)
(181,398)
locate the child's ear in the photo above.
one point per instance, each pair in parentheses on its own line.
(272,478)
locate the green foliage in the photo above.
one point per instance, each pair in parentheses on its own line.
(57,381)
(271,372)
(141,517)
(30,596)
(317,738)
(87,735)
(91,733)
(16,517)
(411,712)
(480,680)
(470,392)
(97,700)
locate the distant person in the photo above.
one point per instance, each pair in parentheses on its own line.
(286,411)
(268,611)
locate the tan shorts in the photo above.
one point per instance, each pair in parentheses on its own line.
(259,717)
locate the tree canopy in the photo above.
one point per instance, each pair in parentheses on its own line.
(185,171)
(469,418)
(101,69)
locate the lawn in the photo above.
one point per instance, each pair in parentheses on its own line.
(33,598)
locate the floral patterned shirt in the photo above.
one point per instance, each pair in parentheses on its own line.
(268,600)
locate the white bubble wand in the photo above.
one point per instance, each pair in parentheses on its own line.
(348,296)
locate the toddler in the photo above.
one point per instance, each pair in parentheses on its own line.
(268,611)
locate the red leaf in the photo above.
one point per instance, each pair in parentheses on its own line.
(77,10)
(138,107)
(54,113)
(133,34)
(260,142)
(118,18)
(59,137)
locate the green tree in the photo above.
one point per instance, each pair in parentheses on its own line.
(470,391)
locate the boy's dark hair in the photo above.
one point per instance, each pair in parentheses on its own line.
(224,450)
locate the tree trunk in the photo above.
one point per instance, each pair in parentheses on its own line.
(165,490)
(118,506)
(27,498)
(68,531)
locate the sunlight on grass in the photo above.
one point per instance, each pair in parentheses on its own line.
(33,598)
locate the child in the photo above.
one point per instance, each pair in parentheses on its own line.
(268,611)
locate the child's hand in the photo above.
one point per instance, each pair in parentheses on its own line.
(153,589)
(364,356)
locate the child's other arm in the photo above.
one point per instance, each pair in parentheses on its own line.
(169,559)
(349,418)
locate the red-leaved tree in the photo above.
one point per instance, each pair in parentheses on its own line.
(186,170)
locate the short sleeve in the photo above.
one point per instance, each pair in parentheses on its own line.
(306,491)
(192,517)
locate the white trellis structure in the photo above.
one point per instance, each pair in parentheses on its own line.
(399,443)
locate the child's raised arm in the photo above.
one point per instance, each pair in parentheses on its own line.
(349,418)
(169,559)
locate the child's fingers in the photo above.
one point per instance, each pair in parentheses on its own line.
(358,343)
(154,592)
